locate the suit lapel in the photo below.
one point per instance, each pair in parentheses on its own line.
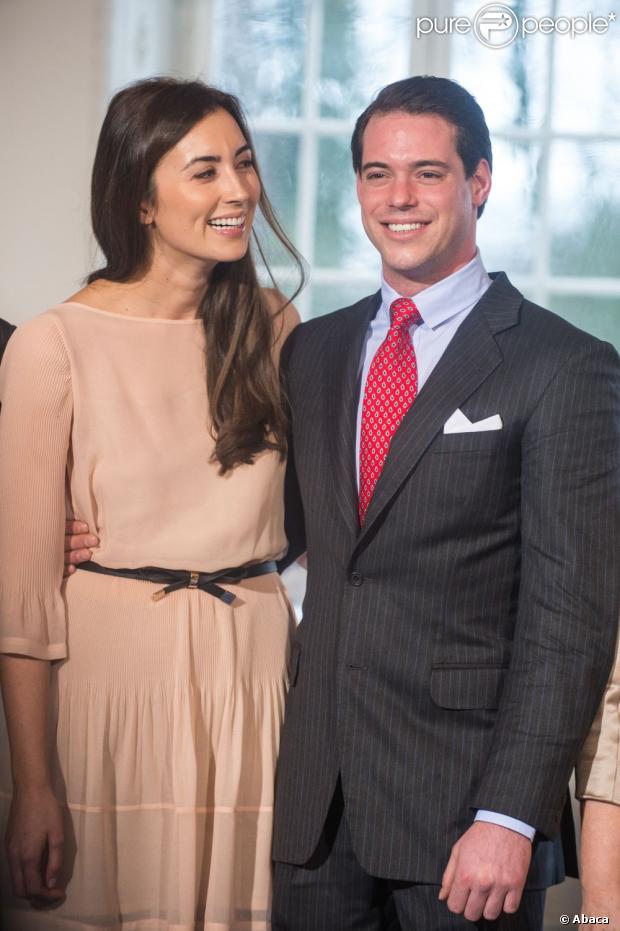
(471,356)
(341,401)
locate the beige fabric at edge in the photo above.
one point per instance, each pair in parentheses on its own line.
(598,769)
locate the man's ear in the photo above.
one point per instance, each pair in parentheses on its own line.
(481,183)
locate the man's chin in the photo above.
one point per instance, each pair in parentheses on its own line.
(412,267)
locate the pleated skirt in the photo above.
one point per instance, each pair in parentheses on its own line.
(164,723)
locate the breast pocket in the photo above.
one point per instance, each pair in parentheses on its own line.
(484,442)
(467,687)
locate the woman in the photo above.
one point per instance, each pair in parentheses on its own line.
(144,697)
(598,785)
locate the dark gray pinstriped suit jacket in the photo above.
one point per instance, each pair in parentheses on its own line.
(5,331)
(452,654)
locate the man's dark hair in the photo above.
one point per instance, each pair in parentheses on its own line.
(440,97)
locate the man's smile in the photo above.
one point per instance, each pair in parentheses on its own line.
(404,227)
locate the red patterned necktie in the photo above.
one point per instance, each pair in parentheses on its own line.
(391,387)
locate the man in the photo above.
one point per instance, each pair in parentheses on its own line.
(456,453)
(5,331)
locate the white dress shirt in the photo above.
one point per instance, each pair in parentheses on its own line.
(443,307)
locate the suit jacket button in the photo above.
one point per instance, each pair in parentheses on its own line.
(356,578)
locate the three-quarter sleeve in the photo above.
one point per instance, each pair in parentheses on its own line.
(35,426)
(598,769)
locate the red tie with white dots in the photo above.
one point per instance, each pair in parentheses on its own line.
(391,387)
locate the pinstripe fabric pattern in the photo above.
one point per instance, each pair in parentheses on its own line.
(452,653)
(419,910)
(334,893)
(5,331)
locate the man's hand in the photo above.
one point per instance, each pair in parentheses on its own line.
(486,872)
(78,543)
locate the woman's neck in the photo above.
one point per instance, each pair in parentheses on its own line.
(163,292)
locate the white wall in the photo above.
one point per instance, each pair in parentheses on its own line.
(52,97)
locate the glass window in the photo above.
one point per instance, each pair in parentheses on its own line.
(304,70)
(278,160)
(584,214)
(339,238)
(258,54)
(509,228)
(586,75)
(360,52)
(509,83)
(597,315)
(553,107)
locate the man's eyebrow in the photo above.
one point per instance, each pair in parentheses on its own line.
(421,163)
(216,158)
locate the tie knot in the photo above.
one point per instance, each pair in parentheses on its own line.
(404,313)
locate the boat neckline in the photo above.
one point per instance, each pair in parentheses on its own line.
(110,313)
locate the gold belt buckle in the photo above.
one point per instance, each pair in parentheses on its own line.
(193,579)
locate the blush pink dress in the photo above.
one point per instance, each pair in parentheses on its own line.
(164,715)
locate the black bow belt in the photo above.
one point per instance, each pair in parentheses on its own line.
(175,579)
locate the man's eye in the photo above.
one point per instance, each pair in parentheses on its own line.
(430,175)
(375,175)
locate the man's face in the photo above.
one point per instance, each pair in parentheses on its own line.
(418,208)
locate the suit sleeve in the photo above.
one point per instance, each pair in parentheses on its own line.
(294,525)
(569,590)
(35,425)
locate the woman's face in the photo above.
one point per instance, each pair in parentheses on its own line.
(206,191)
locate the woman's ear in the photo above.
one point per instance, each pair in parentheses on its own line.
(147,213)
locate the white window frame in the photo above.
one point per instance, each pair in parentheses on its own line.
(142,40)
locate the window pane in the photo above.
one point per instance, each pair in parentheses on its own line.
(587,76)
(510,83)
(507,230)
(361,51)
(328,297)
(260,53)
(340,240)
(597,315)
(585,209)
(278,160)
(277,156)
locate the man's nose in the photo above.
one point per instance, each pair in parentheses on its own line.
(403,193)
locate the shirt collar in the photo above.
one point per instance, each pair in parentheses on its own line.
(446,298)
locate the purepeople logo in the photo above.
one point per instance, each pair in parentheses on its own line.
(497,25)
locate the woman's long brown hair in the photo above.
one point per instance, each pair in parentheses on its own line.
(142,123)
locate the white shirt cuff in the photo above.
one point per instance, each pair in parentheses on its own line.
(505,821)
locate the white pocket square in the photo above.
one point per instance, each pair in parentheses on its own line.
(459,423)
